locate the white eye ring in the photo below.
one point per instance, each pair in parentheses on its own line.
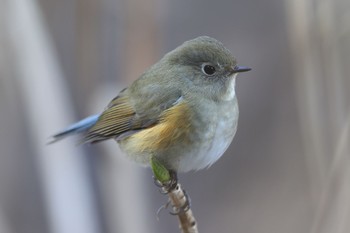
(208,69)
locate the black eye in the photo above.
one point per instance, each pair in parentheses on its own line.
(208,69)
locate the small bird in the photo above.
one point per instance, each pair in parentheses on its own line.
(183,111)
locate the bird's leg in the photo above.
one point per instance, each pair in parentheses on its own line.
(171,184)
(167,181)
(168,185)
(177,210)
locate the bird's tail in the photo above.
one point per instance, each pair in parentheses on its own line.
(79,127)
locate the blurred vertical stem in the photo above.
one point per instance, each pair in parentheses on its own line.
(308,86)
(320,77)
(68,194)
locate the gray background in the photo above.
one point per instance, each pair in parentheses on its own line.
(286,171)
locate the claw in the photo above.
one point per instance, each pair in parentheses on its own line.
(176,211)
(168,186)
(157,182)
(163,207)
(184,208)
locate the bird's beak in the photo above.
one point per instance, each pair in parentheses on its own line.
(239,69)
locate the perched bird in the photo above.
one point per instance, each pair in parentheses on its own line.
(182,111)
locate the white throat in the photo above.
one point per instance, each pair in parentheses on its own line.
(230,92)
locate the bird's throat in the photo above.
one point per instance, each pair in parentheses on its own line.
(230,92)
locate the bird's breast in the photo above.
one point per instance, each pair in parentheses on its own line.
(187,137)
(215,128)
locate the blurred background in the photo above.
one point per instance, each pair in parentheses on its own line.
(288,169)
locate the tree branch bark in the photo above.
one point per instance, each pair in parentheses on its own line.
(181,207)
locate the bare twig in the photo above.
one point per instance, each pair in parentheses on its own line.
(179,200)
(181,206)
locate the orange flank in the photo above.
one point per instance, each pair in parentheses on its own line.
(172,129)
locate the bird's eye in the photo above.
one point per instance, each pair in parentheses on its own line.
(208,69)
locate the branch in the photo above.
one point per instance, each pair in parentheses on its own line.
(181,207)
(178,198)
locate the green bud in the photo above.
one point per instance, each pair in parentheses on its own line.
(160,172)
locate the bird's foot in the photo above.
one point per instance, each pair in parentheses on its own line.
(167,186)
(184,208)
(176,210)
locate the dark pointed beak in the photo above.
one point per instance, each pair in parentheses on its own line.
(239,69)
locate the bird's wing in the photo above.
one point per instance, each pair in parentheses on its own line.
(125,116)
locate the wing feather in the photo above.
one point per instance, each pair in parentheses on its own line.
(121,119)
(118,118)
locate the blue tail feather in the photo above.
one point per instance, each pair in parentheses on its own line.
(79,127)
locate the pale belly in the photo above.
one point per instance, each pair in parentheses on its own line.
(215,141)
